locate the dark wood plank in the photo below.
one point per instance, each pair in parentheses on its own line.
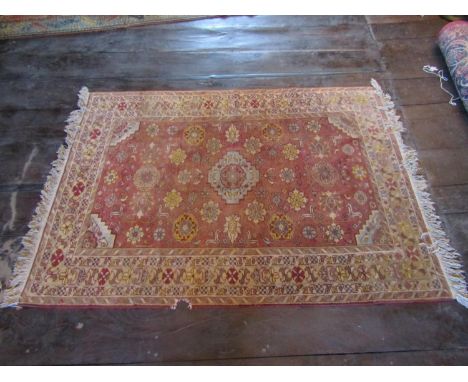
(406,58)
(174,64)
(44,95)
(196,37)
(9,247)
(34,132)
(445,130)
(18,116)
(254,22)
(27,163)
(389,19)
(409,30)
(418,91)
(451,199)
(445,166)
(456,225)
(447,357)
(16,209)
(103,336)
(437,110)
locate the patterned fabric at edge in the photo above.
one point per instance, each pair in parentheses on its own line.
(240,197)
(31,26)
(453,41)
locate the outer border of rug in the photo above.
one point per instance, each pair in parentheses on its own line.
(450,260)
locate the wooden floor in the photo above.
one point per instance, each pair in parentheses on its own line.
(39,81)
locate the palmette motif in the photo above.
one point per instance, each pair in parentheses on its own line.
(264,197)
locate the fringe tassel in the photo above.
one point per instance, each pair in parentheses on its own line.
(449,258)
(31,240)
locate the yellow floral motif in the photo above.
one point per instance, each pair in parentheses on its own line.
(195,276)
(290,152)
(281,227)
(408,270)
(359,172)
(125,277)
(232,134)
(407,232)
(343,274)
(253,145)
(178,156)
(297,200)
(66,228)
(89,152)
(194,135)
(213,145)
(272,132)
(111,177)
(361,98)
(135,234)
(210,212)
(255,212)
(232,227)
(185,227)
(172,199)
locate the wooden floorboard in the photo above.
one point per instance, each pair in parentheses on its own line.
(438,165)
(408,30)
(175,64)
(406,58)
(194,38)
(76,336)
(401,358)
(39,81)
(448,131)
(452,198)
(25,95)
(419,91)
(438,110)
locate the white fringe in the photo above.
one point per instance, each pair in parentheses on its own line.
(31,240)
(449,258)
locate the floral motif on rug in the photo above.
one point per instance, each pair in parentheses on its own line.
(286,196)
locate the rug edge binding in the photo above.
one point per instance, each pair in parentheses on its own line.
(32,239)
(450,260)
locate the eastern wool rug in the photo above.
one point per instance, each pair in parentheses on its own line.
(239,197)
(36,26)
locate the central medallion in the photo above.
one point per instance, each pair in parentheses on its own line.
(232,177)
